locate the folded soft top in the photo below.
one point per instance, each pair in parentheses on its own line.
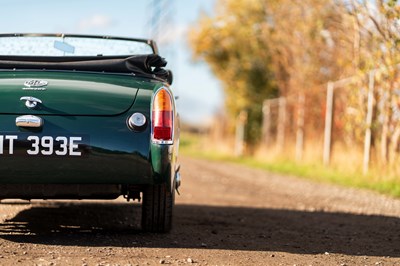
(151,65)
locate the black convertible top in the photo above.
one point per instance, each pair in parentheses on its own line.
(151,65)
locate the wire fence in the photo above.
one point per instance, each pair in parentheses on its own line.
(352,122)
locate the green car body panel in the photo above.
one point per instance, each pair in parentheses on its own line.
(93,106)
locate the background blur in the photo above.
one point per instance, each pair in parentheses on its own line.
(309,83)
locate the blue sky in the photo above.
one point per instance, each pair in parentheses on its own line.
(200,93)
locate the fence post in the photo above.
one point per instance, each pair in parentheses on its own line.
(368,131)
(240,127)
(280,139)
(328,123)
(300,127)
(266,126)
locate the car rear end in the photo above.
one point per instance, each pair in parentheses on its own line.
(80,134)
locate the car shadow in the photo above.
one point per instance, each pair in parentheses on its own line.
(207,227)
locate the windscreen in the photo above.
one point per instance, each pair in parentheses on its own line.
(71,46)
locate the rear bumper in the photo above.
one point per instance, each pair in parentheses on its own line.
(60,191)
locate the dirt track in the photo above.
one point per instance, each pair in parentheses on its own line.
(226,215)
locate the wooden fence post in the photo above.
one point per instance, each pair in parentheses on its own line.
(368,131)
(280,139)
(240,127)
(266,126)
(300,127)
(328,123)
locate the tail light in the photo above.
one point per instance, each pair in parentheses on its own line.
(163,117)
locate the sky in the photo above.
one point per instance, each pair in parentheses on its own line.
(200,93)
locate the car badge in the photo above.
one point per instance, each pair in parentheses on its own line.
(35,85)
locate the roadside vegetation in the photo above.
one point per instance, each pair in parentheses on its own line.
(199,146)
(312,87)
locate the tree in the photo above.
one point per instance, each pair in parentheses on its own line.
(233,45)
(379,48)
(264,48)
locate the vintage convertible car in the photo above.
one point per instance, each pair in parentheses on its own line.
(88,117)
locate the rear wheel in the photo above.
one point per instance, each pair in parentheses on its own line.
(157,206)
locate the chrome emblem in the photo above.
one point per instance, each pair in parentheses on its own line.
(35,83)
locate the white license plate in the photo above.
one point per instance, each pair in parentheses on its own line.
(41,145)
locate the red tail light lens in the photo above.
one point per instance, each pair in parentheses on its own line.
(162,116)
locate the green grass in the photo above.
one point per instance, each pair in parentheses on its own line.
(191,146)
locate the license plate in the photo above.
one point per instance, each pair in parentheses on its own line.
(34,145)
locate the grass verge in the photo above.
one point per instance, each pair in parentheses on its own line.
(192,146)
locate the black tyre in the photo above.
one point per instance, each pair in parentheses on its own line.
(157,207)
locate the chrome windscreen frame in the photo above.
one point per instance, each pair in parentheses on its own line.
(150,42)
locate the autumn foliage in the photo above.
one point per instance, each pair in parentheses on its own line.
(262,49)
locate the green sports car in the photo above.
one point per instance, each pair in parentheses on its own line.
(88,117)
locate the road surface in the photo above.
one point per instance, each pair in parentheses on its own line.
(226,215)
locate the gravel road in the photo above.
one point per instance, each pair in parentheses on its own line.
(226,215)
